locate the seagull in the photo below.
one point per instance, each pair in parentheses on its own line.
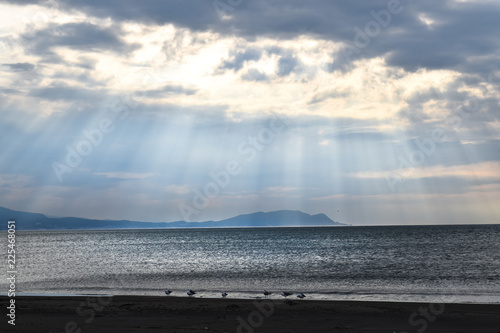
(224,294)
(168,292)
(190,292)
(267,293)
(301,295)
(285,293)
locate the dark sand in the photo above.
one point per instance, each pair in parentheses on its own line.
(183,314)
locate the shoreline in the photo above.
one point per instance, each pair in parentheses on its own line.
(274,297)
(91,313)
(257,227)
(310,296)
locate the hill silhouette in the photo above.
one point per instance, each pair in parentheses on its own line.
(280,218)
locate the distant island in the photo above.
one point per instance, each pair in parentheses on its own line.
(281,218)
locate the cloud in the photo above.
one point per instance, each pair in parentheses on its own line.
(481,170)
(287,64)
(239,58)
(66,93)
(124,175)
(425,34)
(77,36)
(254,75)
(20,67)
(169,89)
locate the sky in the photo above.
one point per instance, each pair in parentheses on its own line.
(372,112)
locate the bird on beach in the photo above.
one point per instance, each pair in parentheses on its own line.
(224,294)
(190,292)
(267,293)
(285,293)
(168,292)
(301,295)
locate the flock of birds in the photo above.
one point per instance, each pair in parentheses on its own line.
(266,293)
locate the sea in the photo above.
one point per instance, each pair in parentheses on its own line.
(452,263)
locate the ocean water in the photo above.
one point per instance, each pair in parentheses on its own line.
(400,263)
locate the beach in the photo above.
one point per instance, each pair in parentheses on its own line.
(355,280)
(196,314)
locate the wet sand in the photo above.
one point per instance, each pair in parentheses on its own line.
(183,314)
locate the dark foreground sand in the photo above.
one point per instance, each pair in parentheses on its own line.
(183,314)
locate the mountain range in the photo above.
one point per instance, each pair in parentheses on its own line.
(280,218)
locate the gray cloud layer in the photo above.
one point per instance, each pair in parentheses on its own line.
(458,37)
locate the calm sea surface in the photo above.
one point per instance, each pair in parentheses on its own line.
(407,263)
